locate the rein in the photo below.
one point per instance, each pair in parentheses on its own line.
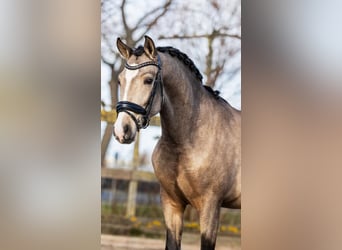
(129,107)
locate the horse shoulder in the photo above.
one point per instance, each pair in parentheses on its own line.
(164,162)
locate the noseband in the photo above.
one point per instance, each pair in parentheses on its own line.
(128,107)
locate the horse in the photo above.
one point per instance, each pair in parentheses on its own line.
(197,159)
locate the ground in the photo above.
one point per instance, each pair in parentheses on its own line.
(190,242)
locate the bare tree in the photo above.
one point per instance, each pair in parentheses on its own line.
(215,25)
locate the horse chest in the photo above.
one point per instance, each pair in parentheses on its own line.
(181,182)
(184,175)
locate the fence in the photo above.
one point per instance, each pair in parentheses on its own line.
(124,189)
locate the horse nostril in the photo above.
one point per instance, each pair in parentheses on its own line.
(127,132)
(126,128)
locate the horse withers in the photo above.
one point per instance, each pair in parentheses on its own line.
(198,157)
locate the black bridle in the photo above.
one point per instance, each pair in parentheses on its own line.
(128,107)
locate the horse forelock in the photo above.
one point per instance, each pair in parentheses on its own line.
(138,51)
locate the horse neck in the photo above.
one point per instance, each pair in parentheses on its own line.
(182,97)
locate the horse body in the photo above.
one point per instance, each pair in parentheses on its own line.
(197,159)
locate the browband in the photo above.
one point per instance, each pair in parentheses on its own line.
(134,67)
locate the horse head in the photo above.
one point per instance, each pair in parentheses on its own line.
(141,90)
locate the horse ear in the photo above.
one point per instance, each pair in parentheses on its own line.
(124,50)
(149,48)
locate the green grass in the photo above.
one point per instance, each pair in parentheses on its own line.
(231,218)
(144,223)
(147,211)
(118,209)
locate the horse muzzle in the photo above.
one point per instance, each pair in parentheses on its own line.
(124,129)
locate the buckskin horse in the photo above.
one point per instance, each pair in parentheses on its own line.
(197,159)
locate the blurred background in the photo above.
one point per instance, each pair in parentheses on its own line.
(209,32)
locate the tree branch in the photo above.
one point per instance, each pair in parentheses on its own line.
(105,61)
(165,8)
(152,12)
(199,36)
(108,43)
(123,15)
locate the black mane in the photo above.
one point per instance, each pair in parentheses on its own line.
(182,57)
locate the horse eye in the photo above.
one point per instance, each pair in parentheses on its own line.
(148,81)
(119,83)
